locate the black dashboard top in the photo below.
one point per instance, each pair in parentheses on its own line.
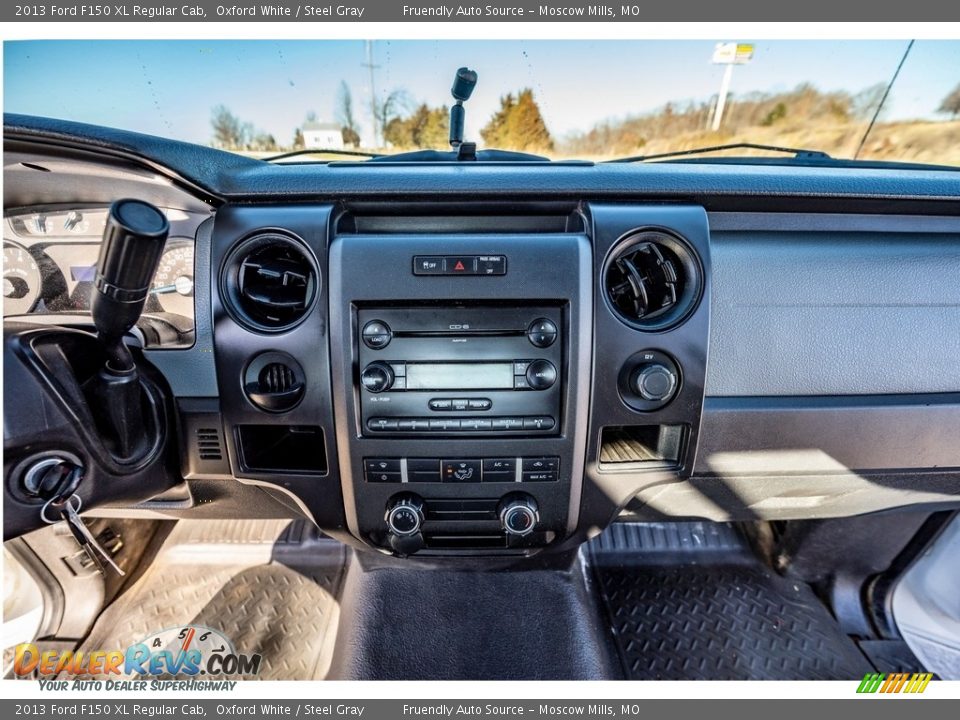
(224,176)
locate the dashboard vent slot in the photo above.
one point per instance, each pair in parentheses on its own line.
(652,280)
(270,282)
(276,378)
(208,444)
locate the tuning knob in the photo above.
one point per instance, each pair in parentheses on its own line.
(654,382)
(377,377)
(519,515)
(405,516)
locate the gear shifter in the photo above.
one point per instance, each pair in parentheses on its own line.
(133,241)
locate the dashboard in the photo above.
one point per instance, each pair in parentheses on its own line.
(504,358)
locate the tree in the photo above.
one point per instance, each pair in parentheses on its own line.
(951,103)
(389,107)
(298,143)
(864,104)
(425,127)
(345,116)
(518,125)
(228,129)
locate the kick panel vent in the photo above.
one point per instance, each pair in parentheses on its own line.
(270,282)
(652,280)
(208,444)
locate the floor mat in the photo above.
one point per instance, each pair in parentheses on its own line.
(271,587)
(688,601)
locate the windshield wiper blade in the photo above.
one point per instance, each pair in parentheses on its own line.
(322,151)
(797,153)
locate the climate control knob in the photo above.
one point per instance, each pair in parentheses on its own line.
(405,516)
(654,382)
(377,377)
(519,515)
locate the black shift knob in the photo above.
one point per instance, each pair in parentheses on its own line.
(133,241)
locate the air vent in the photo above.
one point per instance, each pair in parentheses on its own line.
(274,382)
(276,378)
(652,280)
(208,444)
(270,282)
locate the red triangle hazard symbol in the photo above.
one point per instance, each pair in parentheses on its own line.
(459,266)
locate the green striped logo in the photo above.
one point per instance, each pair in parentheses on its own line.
(912,683)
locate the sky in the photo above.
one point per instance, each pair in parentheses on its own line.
(168,87)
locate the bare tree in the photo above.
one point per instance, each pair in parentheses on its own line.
(346,117)
(228,129)
(951,103)
(392,106)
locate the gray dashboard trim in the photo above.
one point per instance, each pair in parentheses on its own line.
(842,305)
(192,372)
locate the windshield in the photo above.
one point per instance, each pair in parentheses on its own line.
(593,100)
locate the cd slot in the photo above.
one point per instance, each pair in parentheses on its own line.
(457,333)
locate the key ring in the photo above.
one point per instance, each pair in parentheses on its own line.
(48,503)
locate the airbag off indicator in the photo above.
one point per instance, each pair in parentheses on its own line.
(460,265)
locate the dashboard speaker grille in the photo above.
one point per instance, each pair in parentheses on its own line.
(208,444)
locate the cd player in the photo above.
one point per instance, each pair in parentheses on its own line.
(459,370)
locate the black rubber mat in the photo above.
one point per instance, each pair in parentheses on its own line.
(270,586)
(688,601)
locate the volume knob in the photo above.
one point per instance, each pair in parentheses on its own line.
(377,377)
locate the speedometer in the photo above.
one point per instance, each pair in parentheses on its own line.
(173,283)
(21,280)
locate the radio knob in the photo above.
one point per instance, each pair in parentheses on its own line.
(376,334)
(519,515)
(655,382)
(405,516)
(542,332)
(541,374)
(377,377)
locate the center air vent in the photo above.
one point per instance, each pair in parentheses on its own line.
(270,282)
(652,280)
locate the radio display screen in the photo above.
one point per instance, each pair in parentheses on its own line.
(460,376)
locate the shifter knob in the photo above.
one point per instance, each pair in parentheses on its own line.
(133,241)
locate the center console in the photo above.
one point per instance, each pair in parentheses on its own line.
(440,379)
(460,376)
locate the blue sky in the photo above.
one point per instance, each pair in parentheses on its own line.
(168,87)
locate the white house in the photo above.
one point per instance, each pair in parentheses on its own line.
(322,136)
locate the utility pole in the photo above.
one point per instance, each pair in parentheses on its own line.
(373,93)
(728,54)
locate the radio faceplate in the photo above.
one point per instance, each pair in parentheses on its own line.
(460,371)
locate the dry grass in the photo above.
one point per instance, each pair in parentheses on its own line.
(916,141)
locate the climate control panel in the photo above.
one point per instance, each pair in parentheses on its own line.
(462,470)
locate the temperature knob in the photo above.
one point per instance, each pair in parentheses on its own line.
(518,515)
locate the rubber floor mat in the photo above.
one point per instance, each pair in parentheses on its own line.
(688,601)
(270,587)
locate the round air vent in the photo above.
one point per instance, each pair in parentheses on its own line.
(274,382)
(652,280)
(269,282)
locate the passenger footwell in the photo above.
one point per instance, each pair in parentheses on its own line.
(689,601)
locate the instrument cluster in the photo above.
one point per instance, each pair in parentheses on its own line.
(50,257)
